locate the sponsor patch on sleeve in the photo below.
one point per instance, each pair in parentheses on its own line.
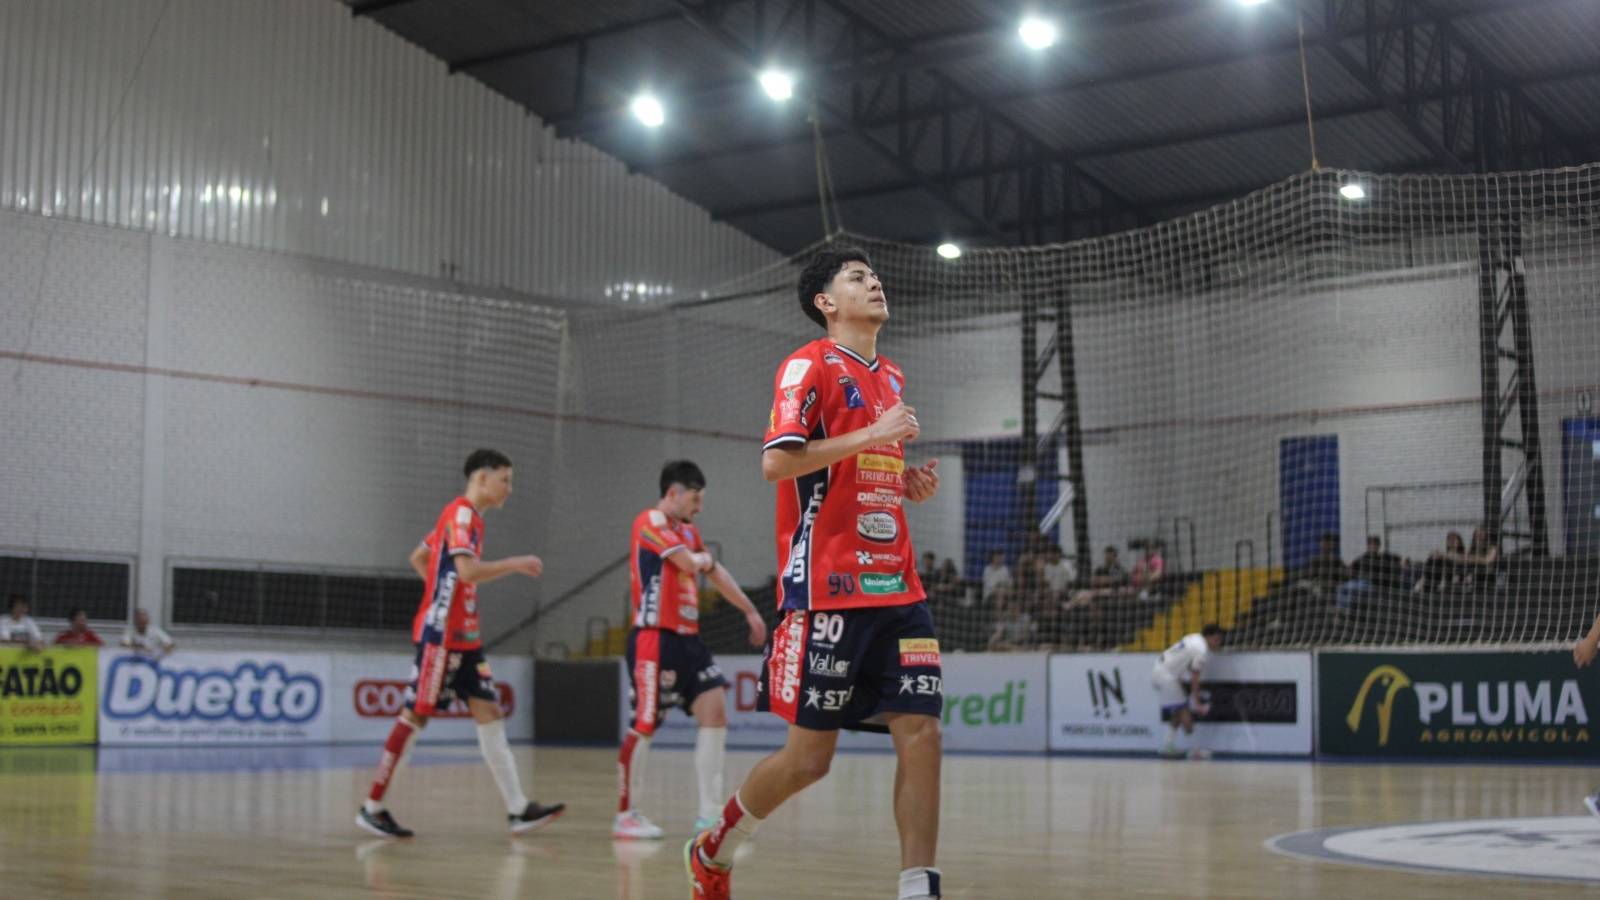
(919,651)
(794,372)
(464,516)
(658,518)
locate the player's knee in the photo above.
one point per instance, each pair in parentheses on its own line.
(811,766)
(925,732)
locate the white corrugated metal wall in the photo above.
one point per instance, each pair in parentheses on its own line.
(288,125)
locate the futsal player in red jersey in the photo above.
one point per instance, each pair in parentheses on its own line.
(668,664)
(856,647)
(450,664)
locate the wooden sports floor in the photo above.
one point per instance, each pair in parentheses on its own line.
(175,823)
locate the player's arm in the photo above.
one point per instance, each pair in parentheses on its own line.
(691,561)
(792,460)
(722,580)
(419,561)
(478,571)
(1583,654)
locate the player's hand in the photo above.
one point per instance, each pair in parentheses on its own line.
(898,423)
(1200,709)
(758,629)
(530,565)
(1583,654)
(704,561)
(922,482)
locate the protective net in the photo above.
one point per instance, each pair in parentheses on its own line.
(1206,419)
(1250,395)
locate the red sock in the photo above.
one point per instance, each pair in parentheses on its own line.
(393,748)
(731,814)
(625,771)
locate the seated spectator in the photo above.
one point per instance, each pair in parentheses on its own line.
(1014,628)
(1108,577)
(996,580)
(1373,572)
(1147,572)
(79,633)
(929,568)
(1059,574)
(1325,572)
(19,627)
(1444,570)
(146,639)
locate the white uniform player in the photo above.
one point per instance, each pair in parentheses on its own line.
(1176,678)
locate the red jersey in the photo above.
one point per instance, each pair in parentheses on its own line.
(842,537)
(448,603)
(664,596)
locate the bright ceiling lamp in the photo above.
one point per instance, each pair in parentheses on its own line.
(647,109)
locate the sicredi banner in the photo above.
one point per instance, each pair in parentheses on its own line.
(214,698)
(991,702)
(369,691)
(1483,704)
(47,697)
(1260,703)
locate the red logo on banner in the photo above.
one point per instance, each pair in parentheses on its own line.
(384,699)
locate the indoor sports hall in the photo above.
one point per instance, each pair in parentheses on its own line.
(1257,343)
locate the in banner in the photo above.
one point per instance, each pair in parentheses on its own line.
(47,697)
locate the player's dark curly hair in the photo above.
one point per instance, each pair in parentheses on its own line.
(684,472)
(485,459)
(818,274)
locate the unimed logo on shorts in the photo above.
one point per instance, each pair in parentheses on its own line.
(383,699)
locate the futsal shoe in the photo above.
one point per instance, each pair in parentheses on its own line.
(535,816)
(381,824)
(633,826)
(1199,753)
(1593,803)
(707,881)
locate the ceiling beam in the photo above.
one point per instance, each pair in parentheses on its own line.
(561,42)
(372,7)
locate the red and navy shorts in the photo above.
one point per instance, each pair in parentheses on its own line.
(846,669)
(439,677)
(667,669)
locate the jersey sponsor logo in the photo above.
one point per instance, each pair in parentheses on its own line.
(794,372)
(867,476)
(878,462)
(138,687)
(463,516)
(876,497)
(802,544)
(831,357)
(658,518)
(383,699)
(919,651)
(928,685)
(883,583)
(878,526)
(689,612)
(440,611)
(786,650)
(824,665)
(853,398)
(868,558)
(894,383)
(828,701)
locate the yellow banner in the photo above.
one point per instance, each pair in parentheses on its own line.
(49,697)
(877,462)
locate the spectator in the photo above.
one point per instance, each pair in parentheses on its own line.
(997,581)
(1326,571)
(79,633)
(1478,564)
(1373,572)
(1147,572)
(929,569)
(147,639)
(1109,577)
(1059,574)
(1443,569)
(19,627)
(1014,628)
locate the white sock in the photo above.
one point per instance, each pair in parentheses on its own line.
(710,750)
(729,837)
(502,765)
(919,883)
(1172,737)
(641,752)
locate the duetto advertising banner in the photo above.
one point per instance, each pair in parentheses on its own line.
(47,697)
(1470,704)
(991,702)
(214,698)
(1260,703)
